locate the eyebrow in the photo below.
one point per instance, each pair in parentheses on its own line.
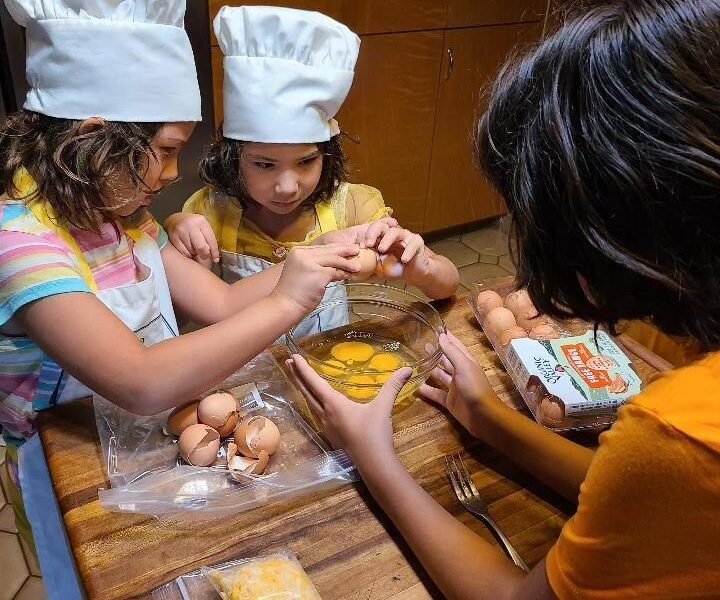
(260,157)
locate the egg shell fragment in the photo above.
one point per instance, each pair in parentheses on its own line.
(219,410)
(250,466)
(181,418)
(199,445)
(498,320)
(352,352)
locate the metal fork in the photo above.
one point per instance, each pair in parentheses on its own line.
(469,497)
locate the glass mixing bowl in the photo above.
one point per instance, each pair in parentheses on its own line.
(363,333)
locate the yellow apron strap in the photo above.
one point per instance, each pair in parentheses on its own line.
(325,212)
(230,226)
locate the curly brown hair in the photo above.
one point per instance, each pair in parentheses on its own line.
(221,168)
(73,170)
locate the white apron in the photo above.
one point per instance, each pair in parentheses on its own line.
(145,307)
(237,266)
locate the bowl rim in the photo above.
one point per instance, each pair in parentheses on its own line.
(423,366)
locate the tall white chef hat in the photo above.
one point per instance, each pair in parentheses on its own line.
(287,72)
(122,60)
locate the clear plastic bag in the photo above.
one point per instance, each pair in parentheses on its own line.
(146,475)
(278,576)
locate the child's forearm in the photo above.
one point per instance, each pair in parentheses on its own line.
(441,281)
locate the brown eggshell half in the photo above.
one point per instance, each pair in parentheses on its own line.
(199,445)
(219,410)
(181,418)
(250,466)
(256,433)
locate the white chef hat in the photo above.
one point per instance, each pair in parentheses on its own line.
(287,72)
(122,60)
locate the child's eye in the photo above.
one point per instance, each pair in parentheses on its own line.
(308,161)
(263,165)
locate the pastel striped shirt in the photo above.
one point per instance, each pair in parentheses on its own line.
(36,263)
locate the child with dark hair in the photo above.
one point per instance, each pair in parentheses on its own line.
(89,282)
(605,143)
(276,173)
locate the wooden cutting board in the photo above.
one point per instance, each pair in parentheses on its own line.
(341,537)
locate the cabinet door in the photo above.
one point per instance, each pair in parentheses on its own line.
(457,192)
(390,112)
(467,13)
(362,16)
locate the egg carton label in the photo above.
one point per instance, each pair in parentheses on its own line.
(588,372)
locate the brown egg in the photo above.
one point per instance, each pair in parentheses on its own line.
(219,410)
(520,304)
(368,265)
(392,268)
(528,323)
(544,332)
(488,300)
(199,445)
(498,320)
(181,418)
(254,434)
(514,333)
(551,413)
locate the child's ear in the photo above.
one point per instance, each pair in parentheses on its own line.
(91,124)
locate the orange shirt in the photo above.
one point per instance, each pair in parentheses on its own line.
(648,520)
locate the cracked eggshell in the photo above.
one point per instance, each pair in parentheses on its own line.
(199,445)
(181,418)
(219,410)
(250,466)
(392,268)
(256,434)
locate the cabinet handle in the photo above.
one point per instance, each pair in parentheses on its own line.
(451,63)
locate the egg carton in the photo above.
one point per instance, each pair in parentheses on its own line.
(547,409)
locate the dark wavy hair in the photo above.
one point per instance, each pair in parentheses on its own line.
(605,143)
(74,170)
(221,168)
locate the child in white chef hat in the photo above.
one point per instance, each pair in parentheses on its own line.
(276,176)
(89,282)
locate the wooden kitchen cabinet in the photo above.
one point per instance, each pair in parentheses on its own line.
(390,112)
(412,115)
(457,191)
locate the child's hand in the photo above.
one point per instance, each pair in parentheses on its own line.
(192,235)
(364,431)
(309,269)
(402,243)
(365,235)
(459,384)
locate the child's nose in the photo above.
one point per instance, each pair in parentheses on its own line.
(170,170)
(286,184)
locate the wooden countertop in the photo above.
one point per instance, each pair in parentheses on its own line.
(341,537)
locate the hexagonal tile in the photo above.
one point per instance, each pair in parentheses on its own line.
(30,559)
(489,241)
(507,264)
(12,566)
(7,519)
(33,589)
(479,272)
(458,253)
